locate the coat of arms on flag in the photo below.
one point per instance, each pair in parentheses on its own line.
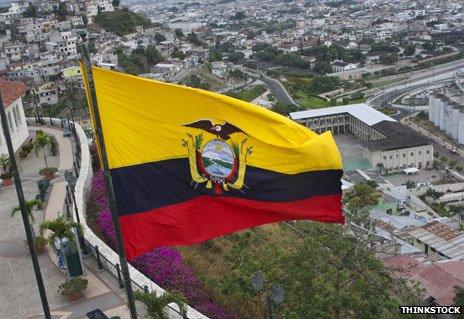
(189,165)
(217,161)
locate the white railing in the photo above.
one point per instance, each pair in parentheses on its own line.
(82,192)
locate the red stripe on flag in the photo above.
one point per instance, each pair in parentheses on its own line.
(206,217)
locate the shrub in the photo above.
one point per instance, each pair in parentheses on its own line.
(73,287)
(162,265)
(39,244)
(23,154)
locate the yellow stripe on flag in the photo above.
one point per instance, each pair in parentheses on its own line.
(143,121)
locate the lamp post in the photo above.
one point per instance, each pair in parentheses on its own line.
(275,296)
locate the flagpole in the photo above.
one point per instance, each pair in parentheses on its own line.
(108,181)
(24,214)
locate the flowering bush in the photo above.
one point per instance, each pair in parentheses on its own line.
(162,265)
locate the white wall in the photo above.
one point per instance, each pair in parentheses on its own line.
(17,124)
(397,159)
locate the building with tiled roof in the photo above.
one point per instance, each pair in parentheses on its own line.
(437,278)
(12,93)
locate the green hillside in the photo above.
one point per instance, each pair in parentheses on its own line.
(121,21)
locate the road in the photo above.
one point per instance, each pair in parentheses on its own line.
(416,80)
(387,97)
(278,89)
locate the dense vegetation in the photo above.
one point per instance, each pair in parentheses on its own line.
(139,60)
(248,94)
(267,53)
(325,53)
(326,274)
(121,21)
(313,85)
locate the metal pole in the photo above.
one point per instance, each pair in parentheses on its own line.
(22,204)
(269,307)
(108,181)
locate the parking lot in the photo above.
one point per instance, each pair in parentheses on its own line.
(430,176)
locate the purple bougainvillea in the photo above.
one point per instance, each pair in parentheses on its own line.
(163,265)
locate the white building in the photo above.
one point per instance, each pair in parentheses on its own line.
(340,66)
(447,115)
(48,94)
(218,68)
(385,142)
(92,7)
(12,93)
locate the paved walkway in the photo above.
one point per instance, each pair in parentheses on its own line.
(19,297)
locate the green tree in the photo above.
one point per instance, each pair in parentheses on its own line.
(42,140)
(430,45)
(236,57)
(410,50)
(60,228)
(178,33)
(284,108)
(433,194)
(116,3)
(214,55)
(195,82)
(121,21)
(31,11)
(458,299)
(156,305)
(324,271)
(153,56)
(176,53)
(359,200)
(388,59)
(322,67)
(62,11)
(193,38)
(159,37)
(240,15)
(30,204)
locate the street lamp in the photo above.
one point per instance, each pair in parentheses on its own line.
(274,298)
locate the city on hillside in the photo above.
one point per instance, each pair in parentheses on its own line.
(386,78)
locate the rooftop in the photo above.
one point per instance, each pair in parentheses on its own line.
(398,136)
(443,239)
(11,91)
(362,112)
(438,278)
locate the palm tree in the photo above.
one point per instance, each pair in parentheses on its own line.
(30,204)
(155,305)
(41,140)
(60,228)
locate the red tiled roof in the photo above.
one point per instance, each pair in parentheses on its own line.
(11,91)
(438,278)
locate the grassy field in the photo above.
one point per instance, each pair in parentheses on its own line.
(388,111)
(250,94)
(313,102)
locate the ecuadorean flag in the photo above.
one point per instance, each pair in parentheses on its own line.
(188,165)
